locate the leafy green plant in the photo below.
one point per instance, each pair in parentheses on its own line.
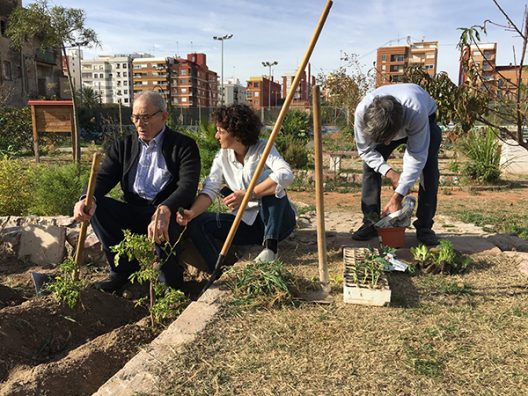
(296,124)
(483,152)
(207,144)
(367,270)
(16,133)
(293,150)
(441,259)
(263,284)
(57,188)
(16,187)
(164,303)
(65,288)
(454,166)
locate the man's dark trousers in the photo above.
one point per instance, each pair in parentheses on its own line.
(427,193)
(112,217)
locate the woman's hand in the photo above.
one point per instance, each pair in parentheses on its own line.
(184,218)
(233,200)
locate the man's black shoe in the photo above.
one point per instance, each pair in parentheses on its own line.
(112,283)
(365,232)
(427,236)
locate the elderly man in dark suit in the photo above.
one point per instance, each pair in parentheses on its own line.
(157,169)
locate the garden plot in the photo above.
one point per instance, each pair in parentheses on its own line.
(48,348)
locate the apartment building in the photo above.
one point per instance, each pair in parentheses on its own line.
(262,92)
(301,97)
(484,58)
(31,72)
(74,58)
(110,76)
(507,77)
(392,61)
(184,82)
(192,83)
(234,92)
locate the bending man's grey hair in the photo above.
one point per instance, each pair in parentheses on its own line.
(383,118)
(154,98)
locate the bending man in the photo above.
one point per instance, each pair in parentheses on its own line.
(386,118)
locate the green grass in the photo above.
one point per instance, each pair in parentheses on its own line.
(500,222)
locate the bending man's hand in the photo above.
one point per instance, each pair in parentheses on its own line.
(394,204)
(394,178)
(160,232)
(81,212)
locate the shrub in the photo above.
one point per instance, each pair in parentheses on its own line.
(293,150)
(16,133)
(207,144)
(296,124)
(57,188)
(16,187)
(483,153)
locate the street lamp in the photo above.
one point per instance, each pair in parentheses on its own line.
(222,39)
(269,65)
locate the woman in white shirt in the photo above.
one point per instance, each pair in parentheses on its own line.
(269,217)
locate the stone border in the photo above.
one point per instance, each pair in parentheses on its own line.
(140,374)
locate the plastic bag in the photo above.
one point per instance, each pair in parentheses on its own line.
(400,218)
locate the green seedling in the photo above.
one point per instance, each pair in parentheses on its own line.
(65,288)
(164,302)
(420,253)
(367,270)
(441,259)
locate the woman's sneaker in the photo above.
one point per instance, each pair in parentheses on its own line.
(266,256)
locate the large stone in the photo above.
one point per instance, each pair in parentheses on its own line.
(509,242)
(41,244)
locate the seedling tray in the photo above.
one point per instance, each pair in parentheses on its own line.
(362,293)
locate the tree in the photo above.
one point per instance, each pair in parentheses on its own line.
(344,89)
(502,110)
(52,27)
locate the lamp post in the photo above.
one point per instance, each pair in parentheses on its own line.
(222,39)
(269,65)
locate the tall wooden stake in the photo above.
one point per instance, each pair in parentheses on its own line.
(319,191)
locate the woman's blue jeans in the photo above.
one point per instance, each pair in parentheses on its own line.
(276,220)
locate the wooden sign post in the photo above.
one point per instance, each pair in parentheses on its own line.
(52,116)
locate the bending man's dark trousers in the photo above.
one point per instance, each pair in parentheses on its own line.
(112,217)
(427,193)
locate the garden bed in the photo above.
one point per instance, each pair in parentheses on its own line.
(48,348)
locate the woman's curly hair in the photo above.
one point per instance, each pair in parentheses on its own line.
(240,121)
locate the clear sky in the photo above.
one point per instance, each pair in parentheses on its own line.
(280,30)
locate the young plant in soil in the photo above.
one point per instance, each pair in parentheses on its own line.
(65,288)
(368,269)
(164,302)
(441,259)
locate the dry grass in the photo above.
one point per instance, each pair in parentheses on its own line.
(444,335)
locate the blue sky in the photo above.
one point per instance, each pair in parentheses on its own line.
(280,30)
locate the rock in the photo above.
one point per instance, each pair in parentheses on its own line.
(42,244)
(507,242)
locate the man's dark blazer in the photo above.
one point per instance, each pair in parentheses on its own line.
(183,162)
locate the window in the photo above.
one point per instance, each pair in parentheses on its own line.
(125,82)
(95,75)
(101,75)
(184,90)
(256,94)
(118,66)
(184,100)
(3,27)
(125,66)
(183,72)
(118,74)
(125,91)
(383,67)
(6,70)
(125,74)
(126,100)
(397,58)
(383,58)
(256,85)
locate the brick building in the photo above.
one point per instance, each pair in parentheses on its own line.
(262,92)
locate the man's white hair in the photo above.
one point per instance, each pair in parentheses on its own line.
(154,98)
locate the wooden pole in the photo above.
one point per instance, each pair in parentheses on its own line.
(88,200)
(35,133)
(276,129)
(269,145)
(319,190)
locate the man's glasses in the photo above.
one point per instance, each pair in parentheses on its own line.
(143,118)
